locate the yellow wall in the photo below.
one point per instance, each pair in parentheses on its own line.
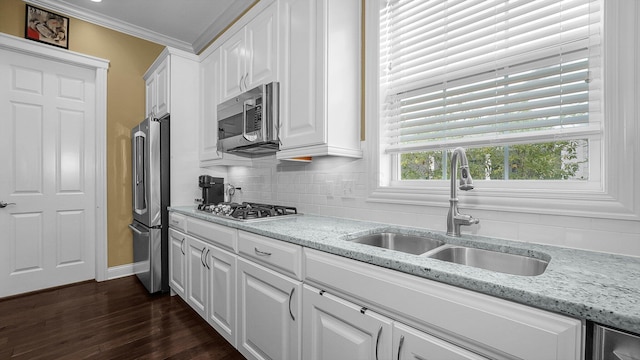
(129,58)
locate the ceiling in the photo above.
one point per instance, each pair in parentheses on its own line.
(188,25)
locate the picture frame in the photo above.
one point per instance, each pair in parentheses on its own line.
(46,27)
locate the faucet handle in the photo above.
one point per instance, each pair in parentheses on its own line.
(464,219)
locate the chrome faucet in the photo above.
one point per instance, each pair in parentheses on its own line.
(454,218)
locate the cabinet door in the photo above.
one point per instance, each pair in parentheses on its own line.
(196,275)
(150,96)
(337,329)
(261,46)
(412,344)
(233,57)
(301,69)
(269,322)
(163,88)
(210,92)
(221,309)
(177,263)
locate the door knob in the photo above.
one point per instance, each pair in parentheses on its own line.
(4,204)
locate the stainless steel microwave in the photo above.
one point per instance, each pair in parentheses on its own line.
(248,124)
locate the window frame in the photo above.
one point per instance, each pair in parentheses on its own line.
(610,191)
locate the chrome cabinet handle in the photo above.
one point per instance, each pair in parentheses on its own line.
(202,257)
(182,246)
(206,262)
(241,82)
(378,341)
(4,204)
(291,297)
(244,82)
(261,253)
(400,345)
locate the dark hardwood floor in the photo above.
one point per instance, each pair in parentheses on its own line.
(114,319)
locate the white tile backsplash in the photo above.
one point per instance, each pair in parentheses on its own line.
(338,187)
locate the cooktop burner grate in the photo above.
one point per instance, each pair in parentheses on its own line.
(248,211)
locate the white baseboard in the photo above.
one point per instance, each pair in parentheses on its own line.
(119,271)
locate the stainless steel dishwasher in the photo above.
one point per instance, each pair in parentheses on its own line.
(612,344)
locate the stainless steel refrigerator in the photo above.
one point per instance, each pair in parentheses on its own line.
(150,227)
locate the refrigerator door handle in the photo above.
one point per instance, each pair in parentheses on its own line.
(135,230)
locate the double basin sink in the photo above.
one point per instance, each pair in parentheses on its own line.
(437,249)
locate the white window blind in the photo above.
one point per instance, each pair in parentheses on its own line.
(479,73)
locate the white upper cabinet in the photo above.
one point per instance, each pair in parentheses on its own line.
(261,40)
(249,56)
(173,87)
(313,49)
(210,92)
(243,61)
(157,102)
(233,73)
(210,89)
(319,69)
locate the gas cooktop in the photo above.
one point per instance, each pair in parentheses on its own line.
(248,211)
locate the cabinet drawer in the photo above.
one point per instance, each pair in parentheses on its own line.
(219,235)
(278,255)
(177,221)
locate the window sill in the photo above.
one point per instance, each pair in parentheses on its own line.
(580,204)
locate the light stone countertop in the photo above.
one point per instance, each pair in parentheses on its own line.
(600,287)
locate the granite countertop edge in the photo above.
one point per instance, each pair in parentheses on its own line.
(600,287)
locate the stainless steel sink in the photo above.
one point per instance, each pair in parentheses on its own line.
(491,260)
(412,244)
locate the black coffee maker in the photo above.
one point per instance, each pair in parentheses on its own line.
(212,190)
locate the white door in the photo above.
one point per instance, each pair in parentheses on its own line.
(47,152)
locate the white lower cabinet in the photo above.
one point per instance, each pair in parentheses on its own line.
(177,262)
(211,285)
(413,344)
(221,297)
(336,329)
(250,289)
(464,319)
(196,276)
(269,321)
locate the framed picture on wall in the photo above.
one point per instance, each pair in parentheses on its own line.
(46,27)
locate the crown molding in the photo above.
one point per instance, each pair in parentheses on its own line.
(237,8)
(111,23)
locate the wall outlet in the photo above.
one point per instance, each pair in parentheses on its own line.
(329,191)
(347,187)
